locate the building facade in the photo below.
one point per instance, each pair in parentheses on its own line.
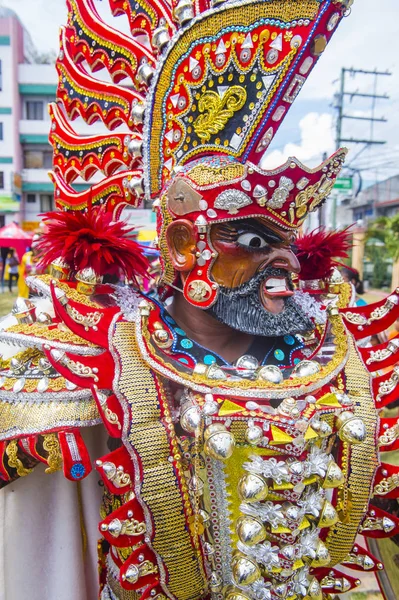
(25,154)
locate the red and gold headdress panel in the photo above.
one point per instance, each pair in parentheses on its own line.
(223,78)
(196,93)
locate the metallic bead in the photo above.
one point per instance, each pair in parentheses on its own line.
(87,280)
(253,434)
(215,583)
(24,311)
(305,368)
(190,416)
(328,516)
(334,477)
(136,148)
(17,366)
(219,442)
(323,557)
(246,366)
(196,485)
(250,530)
(60,269)
(321,427)
(136,186)
(245,571)
(206,519)
(314,590)
(233,593)
(137,113)
(145,73)
(44,319)
(252,488)
(160,38)
(271,373)
(351,429)
(184,11)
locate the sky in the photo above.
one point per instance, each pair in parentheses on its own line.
(365,40)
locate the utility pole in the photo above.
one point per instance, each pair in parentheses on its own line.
(343,115)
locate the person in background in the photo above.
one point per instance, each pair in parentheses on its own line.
(27,267)
(13,263)
(352,276)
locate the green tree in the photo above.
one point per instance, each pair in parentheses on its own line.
(386,229)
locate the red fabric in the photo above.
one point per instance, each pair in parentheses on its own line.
(98,335)
(384,472)
(119,458)
(123,513)
(378,513)
(75,456)
(145,554)
(367,353)
(386,425)
(382,401)
(362,331)
(362,552)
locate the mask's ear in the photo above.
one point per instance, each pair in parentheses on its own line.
(181,241)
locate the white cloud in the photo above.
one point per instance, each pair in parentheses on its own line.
(316,131)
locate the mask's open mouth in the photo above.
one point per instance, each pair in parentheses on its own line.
(276,287)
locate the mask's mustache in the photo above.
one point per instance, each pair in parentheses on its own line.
(253,285)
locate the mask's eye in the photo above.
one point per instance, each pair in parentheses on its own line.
(251,240)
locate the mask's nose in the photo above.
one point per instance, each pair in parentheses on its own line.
(286,259)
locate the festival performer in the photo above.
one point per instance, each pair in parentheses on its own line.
(243,418)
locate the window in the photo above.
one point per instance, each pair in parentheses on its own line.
(31,198)
(48,159)
(1,180)
(38,159)
(46,202)
(34,110)
(1,131)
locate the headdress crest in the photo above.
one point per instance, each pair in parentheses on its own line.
(198,90)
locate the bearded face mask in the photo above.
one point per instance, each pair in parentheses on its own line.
(253,269)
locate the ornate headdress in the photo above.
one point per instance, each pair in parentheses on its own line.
(200,90)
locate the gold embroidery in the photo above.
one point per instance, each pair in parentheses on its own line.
(43,331)
(386,485)
(389,436)
(91,320)
(26,418)
(52,446)
(360,461)
(14,461)
(386,387)
(116,527)
(217,111)
(168,504)
(81,370)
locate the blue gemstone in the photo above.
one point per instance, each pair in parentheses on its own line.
(296,361)
(209,359)
(180,331)
(77,471)
(289,339)
(186,343)
(183,360)
(279,354)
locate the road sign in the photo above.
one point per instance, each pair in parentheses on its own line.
(344,184)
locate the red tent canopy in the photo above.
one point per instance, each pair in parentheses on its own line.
(12,236)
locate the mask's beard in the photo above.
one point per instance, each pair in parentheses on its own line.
(242,309)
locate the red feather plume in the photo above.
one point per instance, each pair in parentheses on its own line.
(318,250)
(92,239)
